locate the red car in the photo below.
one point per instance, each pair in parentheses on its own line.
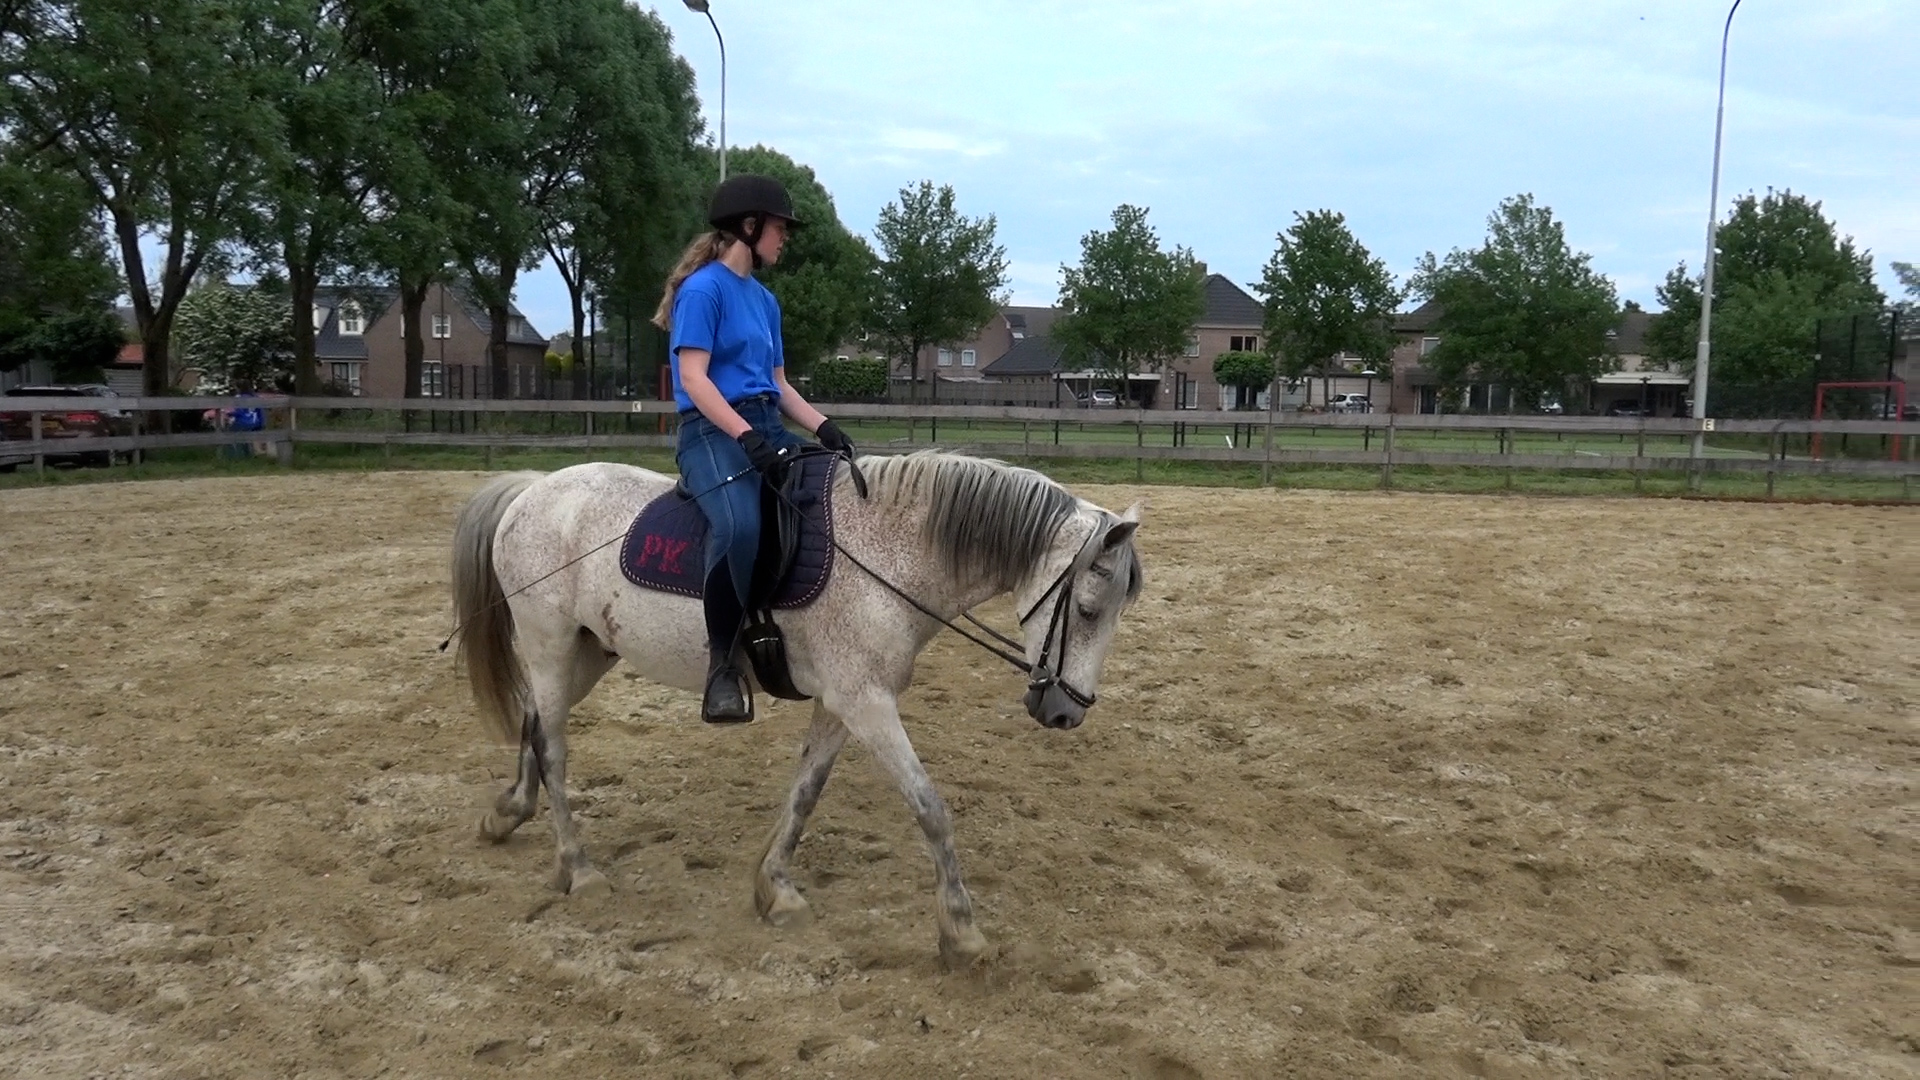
(107,420)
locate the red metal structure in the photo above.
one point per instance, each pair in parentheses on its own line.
(1895,390)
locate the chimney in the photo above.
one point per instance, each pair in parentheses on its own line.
(1201,263)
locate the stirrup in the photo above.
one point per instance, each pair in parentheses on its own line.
(727,698)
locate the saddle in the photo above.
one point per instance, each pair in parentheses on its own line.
(664,550)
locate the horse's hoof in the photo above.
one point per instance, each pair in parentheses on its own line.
(959,951)
(495,827)
(788,911)
(591,885)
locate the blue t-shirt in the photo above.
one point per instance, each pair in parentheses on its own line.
(737,321)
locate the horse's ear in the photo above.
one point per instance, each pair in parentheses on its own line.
(1121,532)
(1132,513)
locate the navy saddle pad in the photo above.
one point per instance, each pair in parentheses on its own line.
(666,545)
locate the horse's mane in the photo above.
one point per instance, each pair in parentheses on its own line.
(988,520)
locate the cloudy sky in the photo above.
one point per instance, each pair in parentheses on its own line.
(1411,117)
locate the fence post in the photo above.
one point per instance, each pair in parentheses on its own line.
(1776,445)
(386,439)
(1386,471)
(482,425)
(39,449)
(1139,457)
(1639,455)
(283,450)
(1026,437)
(1266,464)
(1506,450)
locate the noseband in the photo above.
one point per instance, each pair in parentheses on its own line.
(1040,676)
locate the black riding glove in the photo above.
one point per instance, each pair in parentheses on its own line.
(763,456)
(833,438)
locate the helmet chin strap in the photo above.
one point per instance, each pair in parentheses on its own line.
(751,237)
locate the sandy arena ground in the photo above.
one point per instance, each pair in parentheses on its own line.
(1378,786)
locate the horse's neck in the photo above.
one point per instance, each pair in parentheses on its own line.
(918,570)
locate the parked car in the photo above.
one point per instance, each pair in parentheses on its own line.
(1551,406)
(106,421)
(12,454)
(1350,403)
(1626,407)
(1892,411)
(1105,399)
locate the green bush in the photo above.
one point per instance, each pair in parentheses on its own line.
(865,377)
(1251,370)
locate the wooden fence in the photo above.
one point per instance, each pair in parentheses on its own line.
(1039,435)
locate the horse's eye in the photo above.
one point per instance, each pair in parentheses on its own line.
(1087,612)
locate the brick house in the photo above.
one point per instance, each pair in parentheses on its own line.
(1017,360)
(1635,377)
(359,347)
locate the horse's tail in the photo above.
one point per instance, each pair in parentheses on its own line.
(479,605)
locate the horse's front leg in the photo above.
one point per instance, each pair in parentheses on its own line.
(773,893)
(877,726)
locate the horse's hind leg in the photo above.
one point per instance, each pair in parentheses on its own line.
(516,804)
(774,896)
(555,687)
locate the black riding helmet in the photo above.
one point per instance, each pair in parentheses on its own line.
(749,196)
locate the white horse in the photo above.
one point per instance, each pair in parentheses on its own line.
(937,535)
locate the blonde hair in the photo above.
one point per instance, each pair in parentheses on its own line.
(705,248)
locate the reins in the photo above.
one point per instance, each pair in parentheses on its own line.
(1039,675)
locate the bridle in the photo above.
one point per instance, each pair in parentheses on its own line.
(1040,674)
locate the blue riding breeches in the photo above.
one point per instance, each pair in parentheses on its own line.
(708,457)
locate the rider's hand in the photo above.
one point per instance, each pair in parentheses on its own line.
(763,456)
(833,438)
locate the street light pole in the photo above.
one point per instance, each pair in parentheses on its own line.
(703,8)
(1703,354)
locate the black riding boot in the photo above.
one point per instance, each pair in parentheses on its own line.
(727,699)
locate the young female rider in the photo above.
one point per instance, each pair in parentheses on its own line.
(730,380)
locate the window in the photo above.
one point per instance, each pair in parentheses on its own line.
(968,358)
(433,379)
(946,357)
(320,317)
(1242,344)
(350,321)
(347,375)
(1193,346)
(1190,394)
(443,326)
(1428,344)
(517,326)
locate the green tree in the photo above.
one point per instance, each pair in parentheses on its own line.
(1326,295)
(420,51)
(56,281)
(626,192)
(1523,309)
(941,274)
(1129,303)
(1909,277)
(241,338)
(163,120)
(1247,372)
(823,276)
(1781,268)
(327,96)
